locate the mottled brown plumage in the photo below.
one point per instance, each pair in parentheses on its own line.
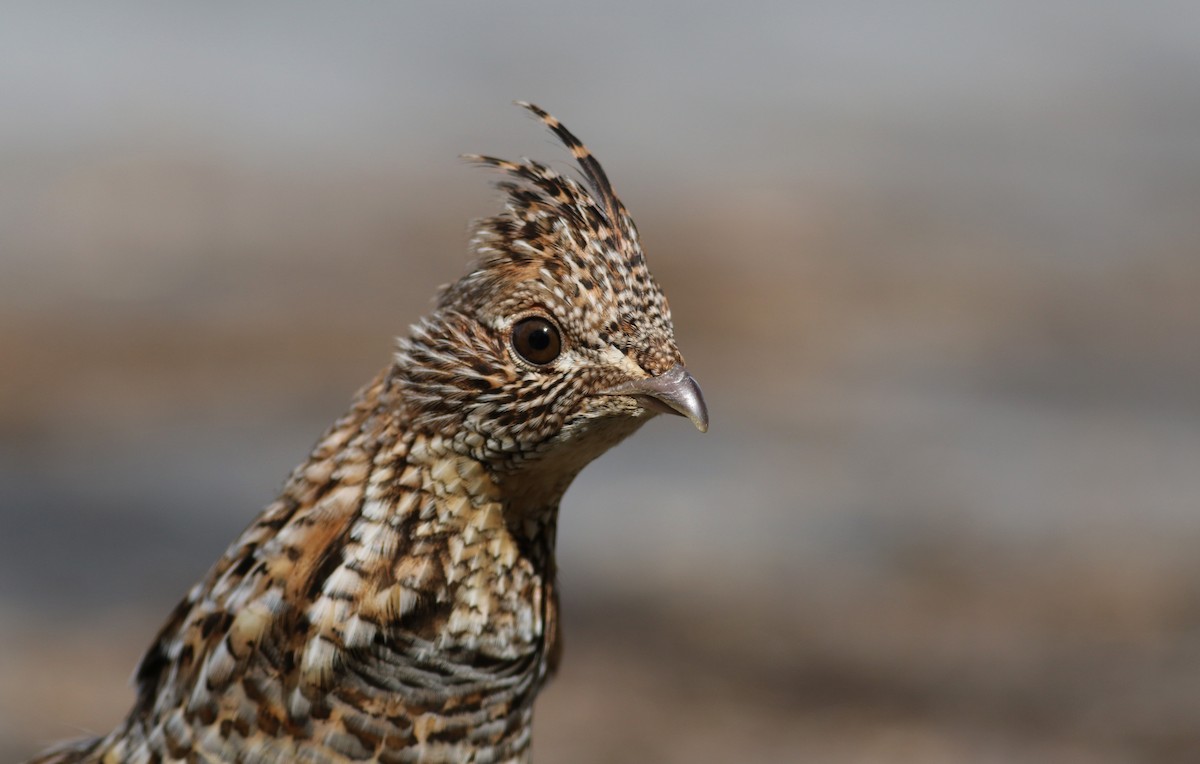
(397,602)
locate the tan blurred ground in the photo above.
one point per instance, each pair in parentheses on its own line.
(936,270)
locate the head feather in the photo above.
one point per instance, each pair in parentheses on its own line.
(596,209)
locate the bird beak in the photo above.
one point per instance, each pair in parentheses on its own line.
(675,391)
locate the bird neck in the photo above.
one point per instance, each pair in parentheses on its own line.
(391,578)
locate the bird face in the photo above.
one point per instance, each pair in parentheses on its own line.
(558,341)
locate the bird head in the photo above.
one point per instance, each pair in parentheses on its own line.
(558,343)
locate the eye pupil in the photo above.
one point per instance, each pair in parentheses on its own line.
(536,340)
(539,339)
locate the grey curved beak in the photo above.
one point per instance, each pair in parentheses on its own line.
(675,391)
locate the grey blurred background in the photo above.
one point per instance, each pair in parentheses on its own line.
(936,265)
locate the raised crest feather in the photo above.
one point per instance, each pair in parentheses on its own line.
(562,192)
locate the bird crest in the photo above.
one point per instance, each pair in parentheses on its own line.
(537,191)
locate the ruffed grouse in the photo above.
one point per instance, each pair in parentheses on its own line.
(397,602)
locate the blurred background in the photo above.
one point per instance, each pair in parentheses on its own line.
(936,265)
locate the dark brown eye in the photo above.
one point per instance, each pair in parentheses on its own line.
(536,340)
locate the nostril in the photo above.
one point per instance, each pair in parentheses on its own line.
(657,360)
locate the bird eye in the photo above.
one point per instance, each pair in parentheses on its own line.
(536,340)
